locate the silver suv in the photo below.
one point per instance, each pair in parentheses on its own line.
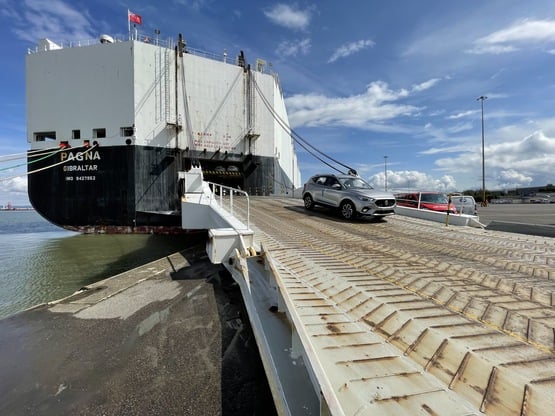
(351,194)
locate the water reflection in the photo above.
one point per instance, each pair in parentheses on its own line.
(45,266)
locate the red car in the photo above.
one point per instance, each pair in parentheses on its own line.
(434,201)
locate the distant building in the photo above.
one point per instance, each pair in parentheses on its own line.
(533,190)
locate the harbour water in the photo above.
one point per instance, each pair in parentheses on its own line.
(40,262)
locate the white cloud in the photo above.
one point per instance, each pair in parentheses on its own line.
(520,33)
(508,164)
(298,47)
(289,17)
(54,19)
(18,184)
(14,190)
(441,150)
(512,179)
(426,85)
(350,48)
(194,4)
(463,114)
(491,49)
(412,179)
(526,30)
(377,104)
(460,127)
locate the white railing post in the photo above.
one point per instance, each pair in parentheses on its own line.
(231,201)
(220,200)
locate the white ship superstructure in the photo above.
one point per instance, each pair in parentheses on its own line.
(114,121)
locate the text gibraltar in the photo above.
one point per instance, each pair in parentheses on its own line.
(80,156)
(80,168)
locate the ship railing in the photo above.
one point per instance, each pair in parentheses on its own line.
(139,36)
(226,198)
(51,45)
(146,38)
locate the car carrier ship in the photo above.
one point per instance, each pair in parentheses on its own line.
(111,123)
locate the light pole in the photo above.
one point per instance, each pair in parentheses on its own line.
(385,170)
(484,202)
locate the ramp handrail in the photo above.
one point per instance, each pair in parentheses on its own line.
(218,191)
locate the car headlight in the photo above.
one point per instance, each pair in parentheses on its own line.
(365,198)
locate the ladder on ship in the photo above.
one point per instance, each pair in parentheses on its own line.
(167,101)
(250,101)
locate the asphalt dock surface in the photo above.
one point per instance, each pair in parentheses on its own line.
(530,219)
(167,338)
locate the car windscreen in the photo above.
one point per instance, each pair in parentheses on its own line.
(436,198)
(354,183)
(463,200)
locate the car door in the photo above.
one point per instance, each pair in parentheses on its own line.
(332,192)
(319,186)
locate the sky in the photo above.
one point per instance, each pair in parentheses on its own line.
(379,86)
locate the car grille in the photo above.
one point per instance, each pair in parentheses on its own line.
(385,202)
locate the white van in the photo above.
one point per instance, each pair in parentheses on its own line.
(465,204)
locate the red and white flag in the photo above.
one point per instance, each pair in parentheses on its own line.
(135,18)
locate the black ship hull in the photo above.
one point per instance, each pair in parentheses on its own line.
(132,189)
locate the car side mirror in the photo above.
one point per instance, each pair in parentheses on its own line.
(336,186)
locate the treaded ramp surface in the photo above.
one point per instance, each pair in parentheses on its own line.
(412,317)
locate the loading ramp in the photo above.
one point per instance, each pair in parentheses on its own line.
(402,316)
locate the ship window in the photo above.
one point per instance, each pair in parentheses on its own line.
(76,134)
(126,131)
(99,133)
(45,136)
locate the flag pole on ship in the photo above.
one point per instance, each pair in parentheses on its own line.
(136,19)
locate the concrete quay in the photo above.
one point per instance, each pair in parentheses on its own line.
(167,338)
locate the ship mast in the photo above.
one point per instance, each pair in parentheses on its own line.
(178,54)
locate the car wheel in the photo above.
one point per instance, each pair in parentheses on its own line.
(347,210)
(308,202)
